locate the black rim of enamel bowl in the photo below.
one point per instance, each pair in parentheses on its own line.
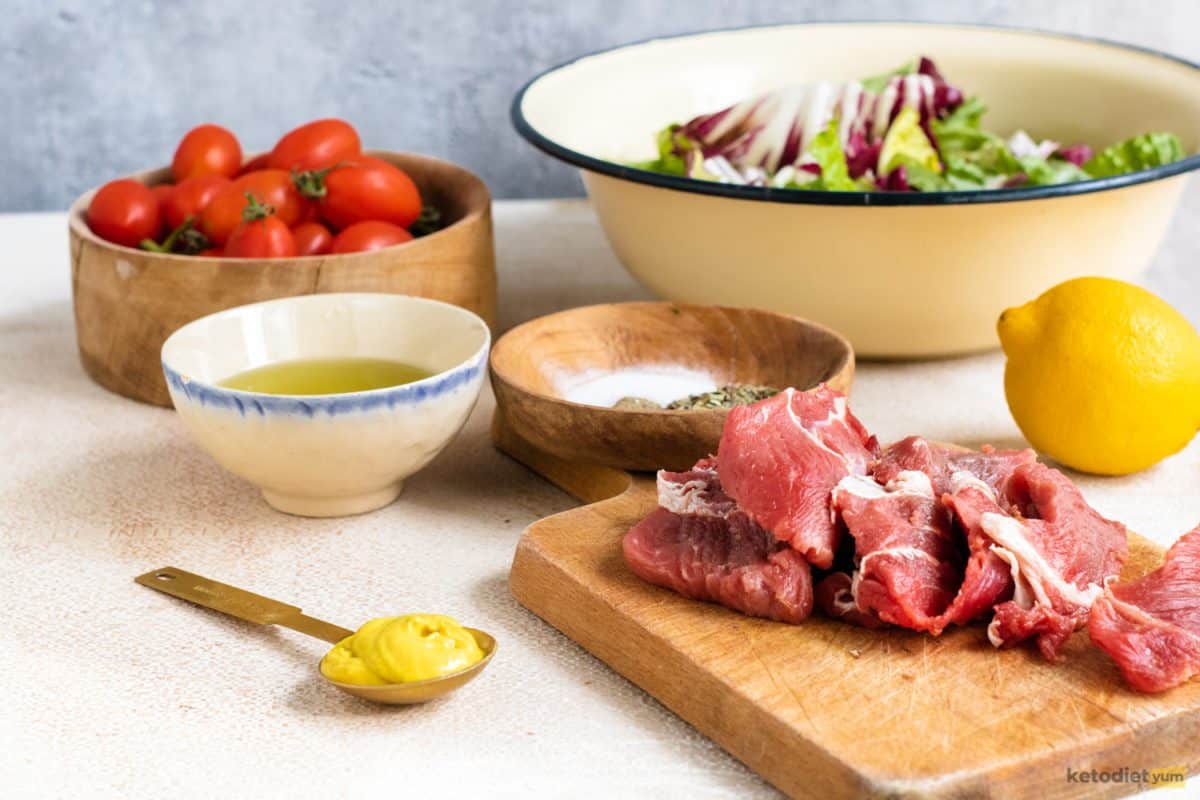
(616,169)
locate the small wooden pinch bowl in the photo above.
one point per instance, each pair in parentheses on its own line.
(535,365)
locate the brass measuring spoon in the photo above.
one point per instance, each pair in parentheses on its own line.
(264,611)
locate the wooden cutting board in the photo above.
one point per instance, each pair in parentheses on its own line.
(828,710)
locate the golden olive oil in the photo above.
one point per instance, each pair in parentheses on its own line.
(325,376)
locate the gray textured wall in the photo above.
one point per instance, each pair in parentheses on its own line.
(96,88)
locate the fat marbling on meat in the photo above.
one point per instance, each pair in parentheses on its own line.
(940,462)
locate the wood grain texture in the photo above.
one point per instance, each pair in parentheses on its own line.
(127,301)
(735,345)
(828,710)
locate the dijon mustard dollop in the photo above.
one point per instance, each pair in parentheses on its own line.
(413,647)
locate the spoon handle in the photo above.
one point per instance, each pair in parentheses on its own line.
(238,603)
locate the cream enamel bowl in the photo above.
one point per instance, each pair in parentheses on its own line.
(900,274)
(328,455)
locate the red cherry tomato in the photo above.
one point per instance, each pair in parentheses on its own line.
(254,164)
(272,187)
(162,192)
(316,145)
(264,237)
(312,239)
(191,197)
(207,150)
(368,188)
(125,212)
(212,252)
(312,212)
(369,235)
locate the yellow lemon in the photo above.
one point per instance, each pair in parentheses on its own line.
(1102,375)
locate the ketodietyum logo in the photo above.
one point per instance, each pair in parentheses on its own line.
(1146,778)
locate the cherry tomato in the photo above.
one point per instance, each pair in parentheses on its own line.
(125,212)
(272,187)
(369,188)
(207,150)
(316,145)
(369,235)
(260,235)
(312,239)
(312,213)
(254,164)
(162,192)
(211,252)
(191,197)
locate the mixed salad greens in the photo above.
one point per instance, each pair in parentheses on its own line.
(907,130)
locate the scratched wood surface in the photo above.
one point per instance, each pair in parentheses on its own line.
(827,710)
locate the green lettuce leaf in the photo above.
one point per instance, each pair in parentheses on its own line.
(969,114)
(1139,152)
(965,173)
(672,147)
(960,132)
(906,142)
(877,83)
(827,151)
(922,178)
(1047,171)
(973,157)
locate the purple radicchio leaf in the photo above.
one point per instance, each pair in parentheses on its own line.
(773,130)
(1077,154)
(861,156)
(946,98)
(894,181)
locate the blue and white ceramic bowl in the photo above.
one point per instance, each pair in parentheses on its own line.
(338,454)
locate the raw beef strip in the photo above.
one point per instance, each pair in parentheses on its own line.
(833,596)
(908,568)
(913,453)
(730,561)
(992,466)
(1151,626)
(987,579)
(781,457)
(939,462)
(1057,549)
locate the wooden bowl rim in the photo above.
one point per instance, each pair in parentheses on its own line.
(478,196)
(845,362)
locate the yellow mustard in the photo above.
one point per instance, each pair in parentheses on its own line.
(414,647)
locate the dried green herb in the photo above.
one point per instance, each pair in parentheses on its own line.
(728,396)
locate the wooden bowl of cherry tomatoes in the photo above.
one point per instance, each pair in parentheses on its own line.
(214,230)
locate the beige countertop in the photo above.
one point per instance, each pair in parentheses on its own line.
(116,691)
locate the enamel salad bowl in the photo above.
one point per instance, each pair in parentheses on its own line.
(331,454)
(901,274)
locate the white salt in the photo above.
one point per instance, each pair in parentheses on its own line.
(661,383)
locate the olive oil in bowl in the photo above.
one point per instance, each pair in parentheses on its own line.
(312,376)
